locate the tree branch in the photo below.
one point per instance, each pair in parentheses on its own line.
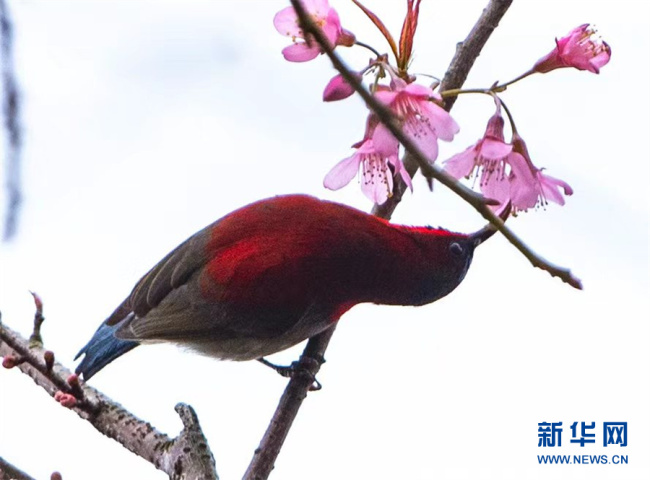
(468,51)
(288,407)
(185,457)
(10,472)
(313,355)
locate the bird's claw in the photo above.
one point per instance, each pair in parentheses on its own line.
(288,371)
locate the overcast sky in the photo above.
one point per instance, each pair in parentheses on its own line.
(145,121)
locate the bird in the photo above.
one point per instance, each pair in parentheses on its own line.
(276,272)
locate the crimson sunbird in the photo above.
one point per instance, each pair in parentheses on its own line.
(276,272)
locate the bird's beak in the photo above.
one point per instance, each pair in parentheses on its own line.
(487,231)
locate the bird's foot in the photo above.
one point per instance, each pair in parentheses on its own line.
(288,371)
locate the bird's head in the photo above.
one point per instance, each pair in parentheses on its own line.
(446,261)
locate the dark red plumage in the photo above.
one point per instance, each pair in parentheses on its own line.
(276,272)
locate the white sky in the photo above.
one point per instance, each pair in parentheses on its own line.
(145,121)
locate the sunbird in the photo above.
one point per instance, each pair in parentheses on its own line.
(276,272)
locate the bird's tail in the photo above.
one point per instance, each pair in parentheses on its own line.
(101,350)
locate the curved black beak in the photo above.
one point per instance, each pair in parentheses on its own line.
(487,231)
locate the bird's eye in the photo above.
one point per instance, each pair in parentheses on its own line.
(455,248)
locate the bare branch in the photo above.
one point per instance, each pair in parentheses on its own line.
(468,51)
(287,410)
(10,472)
(186,456)
(189,455)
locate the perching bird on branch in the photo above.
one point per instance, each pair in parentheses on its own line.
(275,273)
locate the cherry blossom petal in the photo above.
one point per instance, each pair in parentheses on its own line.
(524,191)
(286,23)
(384,142)
(342,173)
(462,164)
(385,96)
(300,52)
(401,171)
(417,90)
(376,180)
(601,59)
(445,126)
(332,27)
(318,8)
(423,135)
(494,149)
(496,187)
(551,188)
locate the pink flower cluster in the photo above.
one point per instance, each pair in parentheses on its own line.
(506,172)
(377,155)
(423,121)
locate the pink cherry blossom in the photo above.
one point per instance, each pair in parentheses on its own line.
(286,22)
(581,49)
(490,155)
(490,148)
(526,193)
(506,171)
(423,120)
(374,155)
(338,89)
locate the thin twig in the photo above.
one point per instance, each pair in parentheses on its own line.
(10,472)
(186,456)
(468,51)
(312,357)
